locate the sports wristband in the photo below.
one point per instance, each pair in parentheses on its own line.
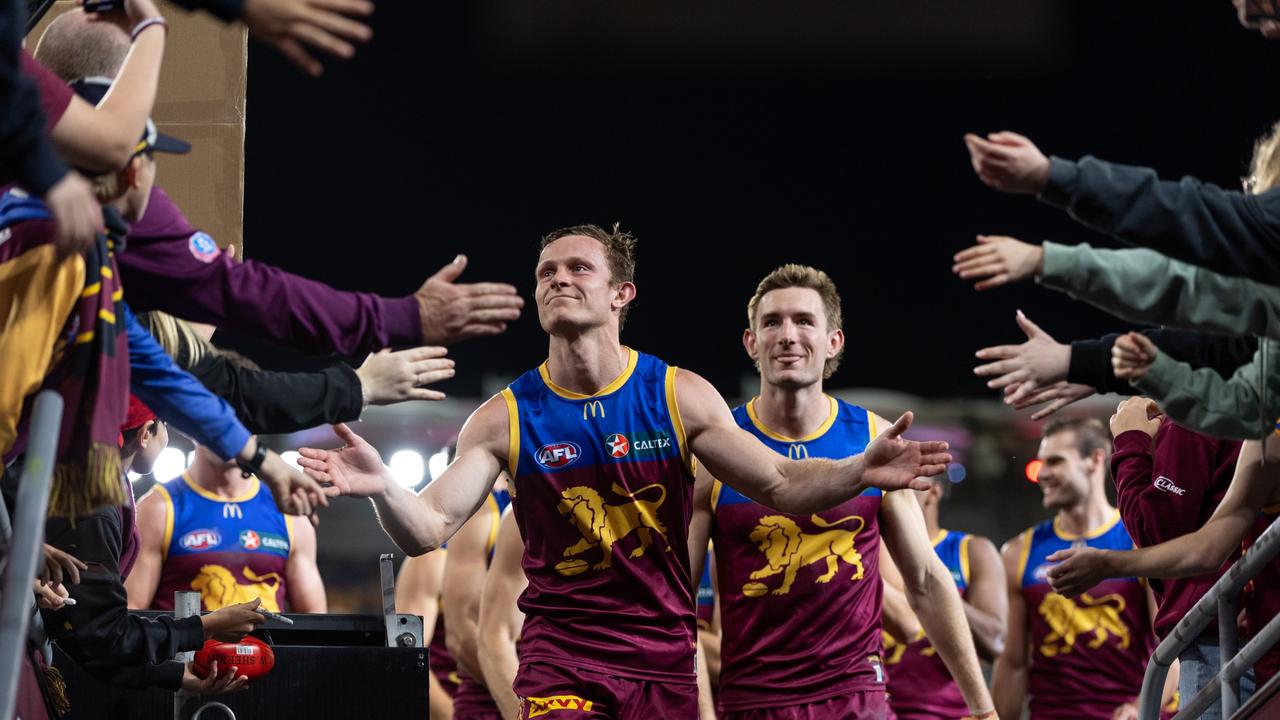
(146,23)
(253,465)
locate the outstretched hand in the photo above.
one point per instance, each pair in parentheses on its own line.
(895,463)
(1057,395)
(1008,162)
(451,312)
(390,377)
(1077,570)
(998,260)
(355,469)
(294,492)
(1132,355)
(1036,363)
(296,26)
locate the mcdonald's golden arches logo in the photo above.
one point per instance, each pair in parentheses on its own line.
(595,407)
(798,452)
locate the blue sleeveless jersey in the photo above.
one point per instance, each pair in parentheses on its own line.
(602,489)
(1088,654)
(800,595)
(229,549)
(953,549)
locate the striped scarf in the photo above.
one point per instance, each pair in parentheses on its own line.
(88,366)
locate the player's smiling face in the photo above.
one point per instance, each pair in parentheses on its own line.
(575,290)
(790,342)
(1064,477)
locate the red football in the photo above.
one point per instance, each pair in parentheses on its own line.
(251,657)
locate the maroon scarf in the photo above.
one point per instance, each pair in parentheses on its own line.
(90,370)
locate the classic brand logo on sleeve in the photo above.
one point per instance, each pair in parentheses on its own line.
(1165,484)
(203,248)
(558,455)
(202,539)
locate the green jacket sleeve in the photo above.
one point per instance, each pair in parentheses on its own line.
(1241,408)
(1144,286)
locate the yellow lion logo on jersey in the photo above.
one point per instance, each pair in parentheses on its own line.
(602,524)
(218,588)
(787,548)
(1100,616)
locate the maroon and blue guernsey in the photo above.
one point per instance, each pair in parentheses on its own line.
(230,550)
(603,494)
(920,686)
(1088,655)
(800,595)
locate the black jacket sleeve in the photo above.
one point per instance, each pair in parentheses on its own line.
(1228,232)
(1091,359)
(278,402)
(27,155)
(98,631)
(225,10)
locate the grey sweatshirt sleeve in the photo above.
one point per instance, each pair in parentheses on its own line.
(1144,286)
(1206,402)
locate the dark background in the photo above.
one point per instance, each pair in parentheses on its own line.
(732,137)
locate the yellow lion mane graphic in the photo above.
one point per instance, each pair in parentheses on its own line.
(787,548)
(218,588)
(1067,621)
(602,525)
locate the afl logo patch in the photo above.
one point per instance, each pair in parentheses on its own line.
(201,540)
(203,248)
(617,445)
(558,455)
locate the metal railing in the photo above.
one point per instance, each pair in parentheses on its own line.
(1220,603)
(26,544)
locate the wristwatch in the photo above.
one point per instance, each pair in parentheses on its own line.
(252,466)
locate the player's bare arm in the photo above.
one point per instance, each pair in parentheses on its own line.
(700,522)
(1253,487)
(305,587)
(896,615)
(987,602)
(421,523)
(152,514)
(501,620)
(736,458)
(1009,679)
(465,567)
(932,593)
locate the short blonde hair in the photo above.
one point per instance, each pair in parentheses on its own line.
(1265,166)
(803,276)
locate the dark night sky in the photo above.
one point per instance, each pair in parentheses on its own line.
(440,138)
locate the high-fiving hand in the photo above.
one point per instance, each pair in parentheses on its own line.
(1008,162)
(998,260)
(355,469)
(895,463)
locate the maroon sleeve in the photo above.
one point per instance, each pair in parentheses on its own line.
(168,265)
(1162,493)
(55,95)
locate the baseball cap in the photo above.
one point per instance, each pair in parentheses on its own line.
(93,89)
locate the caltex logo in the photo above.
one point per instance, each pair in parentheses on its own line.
(249,540)
(617,445)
